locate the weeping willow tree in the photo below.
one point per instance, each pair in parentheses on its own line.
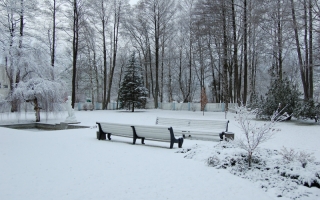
(36,84)
(42,94)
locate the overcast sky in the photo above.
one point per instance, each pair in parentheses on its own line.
(132,2)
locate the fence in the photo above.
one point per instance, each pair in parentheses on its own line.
(210,107)
(96,106)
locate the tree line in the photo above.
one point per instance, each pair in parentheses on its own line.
(233,48)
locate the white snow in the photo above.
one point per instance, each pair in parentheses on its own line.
(73,164)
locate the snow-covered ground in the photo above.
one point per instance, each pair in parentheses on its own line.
(73,164)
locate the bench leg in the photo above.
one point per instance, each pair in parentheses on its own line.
(221,136)
(142,141)
(134,140)
(101,136)
(109,136)
(171,144)
(180,142)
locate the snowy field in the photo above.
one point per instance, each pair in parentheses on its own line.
(73,164)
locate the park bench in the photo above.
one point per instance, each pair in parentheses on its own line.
(157,133)
(106,128)
(198,129)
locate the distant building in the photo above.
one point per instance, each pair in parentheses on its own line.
(4,83)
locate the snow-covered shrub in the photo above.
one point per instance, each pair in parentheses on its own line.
(213,161)
(85,106)
(90,106)
(308,110)
(304,158)
(193,107)
(254,134)
(270,171)
(288,155)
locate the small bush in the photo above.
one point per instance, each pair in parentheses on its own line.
(85,107)
(288,156)
(213,161)
(304,158)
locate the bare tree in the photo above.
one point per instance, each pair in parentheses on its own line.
(254,134)
(306,66)
(117,15)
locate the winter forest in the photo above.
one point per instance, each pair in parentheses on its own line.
(237,50)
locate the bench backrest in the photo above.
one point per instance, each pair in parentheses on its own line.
(221,125)
(172,122)
(209,124)
(153,132)
(116,129)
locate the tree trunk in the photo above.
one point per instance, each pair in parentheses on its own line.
(306,45)
(245,53)
(75,42)
(310,51)
(235,56)
(119,85)
(181,84)
(302,73)
(214,82)
(53,50)
(225,58)
(104,102)
(162,69)
(190,65)
(156,37)
(36,109)
(279,71)
(151,72)
(117,15)
(21,23)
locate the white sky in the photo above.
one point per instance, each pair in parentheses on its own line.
(132,2)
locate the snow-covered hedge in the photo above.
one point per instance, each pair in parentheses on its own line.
(287,173)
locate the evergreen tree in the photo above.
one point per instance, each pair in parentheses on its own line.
(282,93)
(132,93)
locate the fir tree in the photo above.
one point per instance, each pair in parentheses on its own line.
(132,93)
(282,93)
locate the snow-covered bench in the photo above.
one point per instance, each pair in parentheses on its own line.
(106,128)
(198,129)
(157,133)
